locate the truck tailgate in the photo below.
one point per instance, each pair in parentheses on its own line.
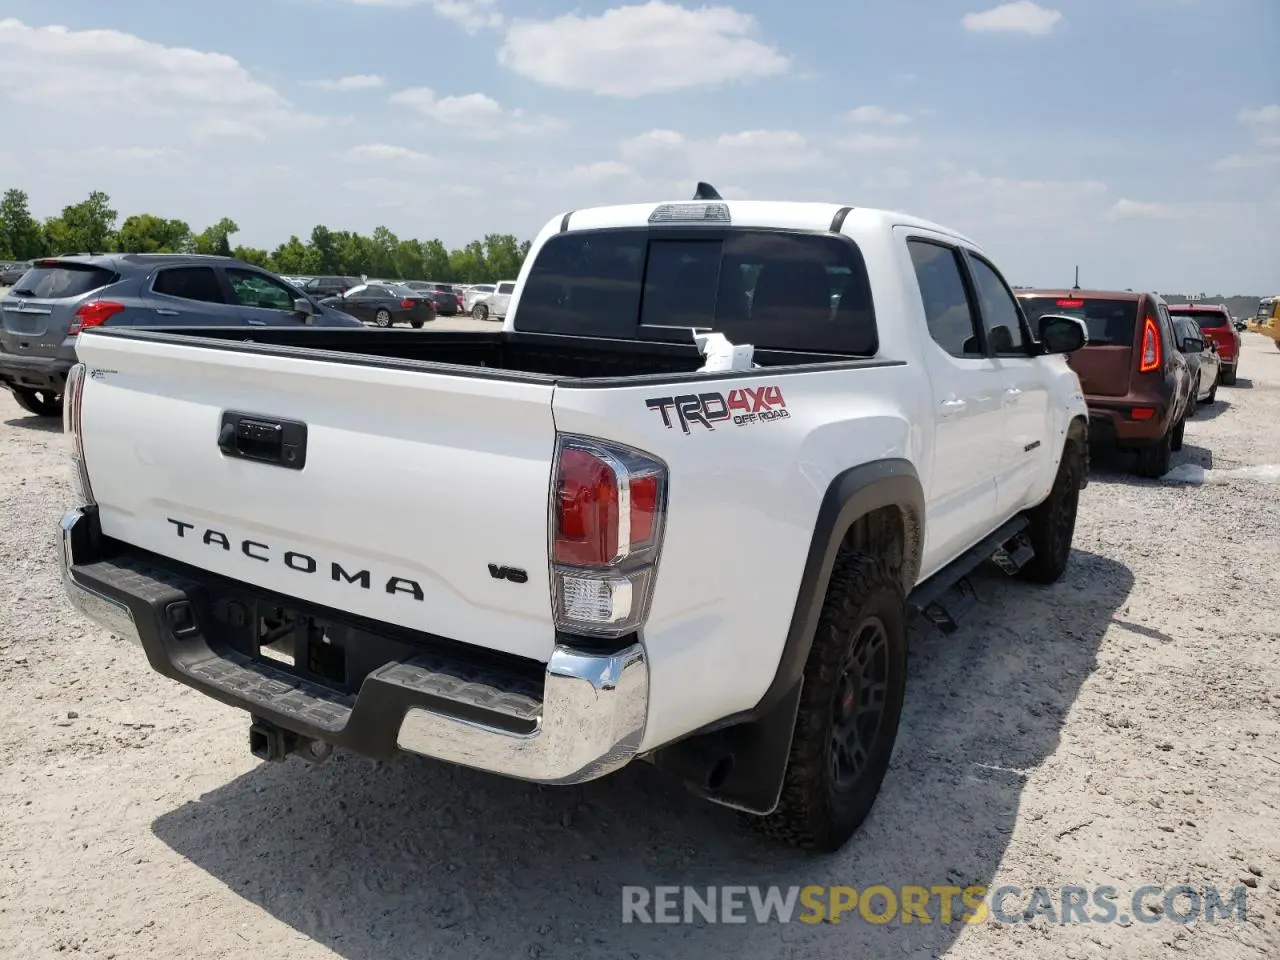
(414,482)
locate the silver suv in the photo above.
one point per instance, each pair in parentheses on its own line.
(48,306)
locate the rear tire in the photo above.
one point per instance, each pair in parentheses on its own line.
(416,324)
(1213,393)
(1175,439)
(1153,461)
(382,318)
(850,703)
(1229,373)
(479,312)
(43,403)
(1053,520)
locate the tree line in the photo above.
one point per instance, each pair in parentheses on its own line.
(90,227)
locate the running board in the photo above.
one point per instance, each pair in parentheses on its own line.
(1008,547)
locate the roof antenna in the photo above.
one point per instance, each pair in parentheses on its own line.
(706,191)
(1077,286)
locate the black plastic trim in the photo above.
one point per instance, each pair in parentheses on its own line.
(564,221)
(837,222)
(34,373)
(375,712)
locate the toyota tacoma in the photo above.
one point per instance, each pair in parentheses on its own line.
(594,538)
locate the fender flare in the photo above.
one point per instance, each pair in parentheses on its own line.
(758,741)
(851,494)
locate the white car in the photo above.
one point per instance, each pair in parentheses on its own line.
(493,305)
(475,293)
(593,550)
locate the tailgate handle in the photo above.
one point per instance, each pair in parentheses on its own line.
(247,436)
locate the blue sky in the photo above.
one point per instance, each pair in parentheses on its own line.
(1138,138)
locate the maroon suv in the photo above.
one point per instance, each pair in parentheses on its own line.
(1215,322)
(1135,380)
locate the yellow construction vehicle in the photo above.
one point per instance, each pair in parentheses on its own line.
(1267,319)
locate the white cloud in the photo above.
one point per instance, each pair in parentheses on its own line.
(1021,16)
(358,81)
(476,115)
(1267,114)
(379,152)
(633,51)
(1124,209)
(871,114)
(602,171)
(876,143)
(471,15)
(1247,161)
(747,151)
(82,70)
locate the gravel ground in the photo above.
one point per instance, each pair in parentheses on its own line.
(1118,728)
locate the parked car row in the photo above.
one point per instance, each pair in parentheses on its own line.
(1147,366)
(12,270)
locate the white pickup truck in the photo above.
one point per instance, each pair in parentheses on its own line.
(549,549)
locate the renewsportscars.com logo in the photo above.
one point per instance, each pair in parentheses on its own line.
(742,407)
(881,904)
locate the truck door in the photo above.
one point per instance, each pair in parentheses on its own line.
(1025,452)
(969,413)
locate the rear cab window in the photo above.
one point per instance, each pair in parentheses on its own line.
(1111,323)
(60,280)
(1207,319)
(772,289)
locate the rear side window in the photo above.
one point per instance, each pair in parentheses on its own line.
(768,288)
(1111,323)
(946,302)
(56,281)
(999,310)
(189,283)
(1207,319)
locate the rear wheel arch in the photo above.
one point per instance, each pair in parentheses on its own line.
(871,510)
(875,508)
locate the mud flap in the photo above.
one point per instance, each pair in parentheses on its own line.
(741,765)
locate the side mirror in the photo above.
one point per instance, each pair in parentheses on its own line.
(305,307)
(1060,334)
(1192,344)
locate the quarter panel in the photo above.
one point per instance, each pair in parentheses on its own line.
(743,501)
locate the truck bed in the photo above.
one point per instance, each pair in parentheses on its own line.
(499,354)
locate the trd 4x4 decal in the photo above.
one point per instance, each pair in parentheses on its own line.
(748,405)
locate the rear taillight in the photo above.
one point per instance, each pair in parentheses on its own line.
(608,504)
(1150,346)
(72,398)
(407,304)
(94,314)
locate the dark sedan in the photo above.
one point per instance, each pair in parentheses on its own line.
(443,295)
(384,304)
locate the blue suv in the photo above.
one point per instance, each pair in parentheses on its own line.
(52,302)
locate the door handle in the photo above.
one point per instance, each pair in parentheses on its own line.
(164,312)
(282,443)
(953,404)
(1013,393)
(256,323)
